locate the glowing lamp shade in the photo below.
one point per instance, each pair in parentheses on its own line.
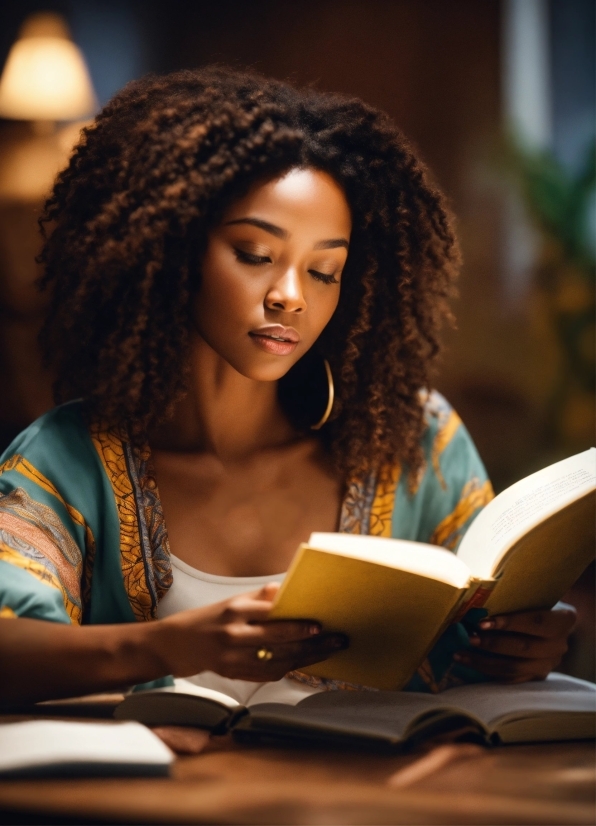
(45,78)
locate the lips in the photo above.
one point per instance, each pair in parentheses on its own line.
(277,332)
(276,339)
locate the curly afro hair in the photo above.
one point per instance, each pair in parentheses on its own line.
(127,220)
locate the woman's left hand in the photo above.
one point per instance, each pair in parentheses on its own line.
(519,647)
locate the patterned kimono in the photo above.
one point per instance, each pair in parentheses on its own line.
(83,538)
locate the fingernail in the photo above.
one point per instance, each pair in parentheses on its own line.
(474,639)
(340,642)
(486,624)
(314,629)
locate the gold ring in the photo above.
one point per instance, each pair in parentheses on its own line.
(264,654)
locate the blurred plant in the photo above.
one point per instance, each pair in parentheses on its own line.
(562,205)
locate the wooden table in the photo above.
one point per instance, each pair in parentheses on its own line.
(246,784)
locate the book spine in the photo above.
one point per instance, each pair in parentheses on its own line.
(231,721)
(475,599)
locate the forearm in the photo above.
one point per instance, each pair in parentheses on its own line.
(46,660)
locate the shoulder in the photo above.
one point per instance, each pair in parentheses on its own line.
(56,455)
(61,428)
(449,451)
(56,494)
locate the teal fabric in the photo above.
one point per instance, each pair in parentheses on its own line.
(59,447)
(416,516)
(462,476)
(28,597)
(444,668)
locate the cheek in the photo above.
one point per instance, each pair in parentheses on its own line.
(324,306)
(224,293)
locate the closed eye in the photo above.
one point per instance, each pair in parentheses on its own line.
(255,260)
(250,258)
(324,277)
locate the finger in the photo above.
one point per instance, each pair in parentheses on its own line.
(269,591)
(317,655)
(505,668)
(271,633)
(243,663)
(520,645)
(266,593)
(539,623)
(248,607)
(256,600)
(306,652)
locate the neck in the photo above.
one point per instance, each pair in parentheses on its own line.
(223,413)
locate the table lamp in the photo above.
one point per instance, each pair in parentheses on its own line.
(44,81)
(45,77)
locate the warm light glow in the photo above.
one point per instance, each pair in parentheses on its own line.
(29,163)
(45,78)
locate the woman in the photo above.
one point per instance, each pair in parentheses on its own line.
(247,283)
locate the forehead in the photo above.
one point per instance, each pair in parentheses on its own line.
(300,199)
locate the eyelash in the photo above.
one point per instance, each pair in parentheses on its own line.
(321,276)
(249,258)
(255,260)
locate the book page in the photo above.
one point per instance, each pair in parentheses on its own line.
(491,701)
(380,714)
(414,557)
(287,691)
(390,714)
(188,686)
(522,506)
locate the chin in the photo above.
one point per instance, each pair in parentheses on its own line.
(263,367)
(265,372)
(254,364)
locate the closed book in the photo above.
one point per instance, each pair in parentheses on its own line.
(56,748)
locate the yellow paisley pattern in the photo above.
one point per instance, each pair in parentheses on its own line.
(41,573)
(446,432)
(26,469)
(474,496)
(110,447)
(381,510)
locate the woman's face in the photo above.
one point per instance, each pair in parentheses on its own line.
(271,273)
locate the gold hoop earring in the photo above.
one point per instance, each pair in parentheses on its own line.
(330,398)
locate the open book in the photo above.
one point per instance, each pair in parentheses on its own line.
(394,598)
(559,708)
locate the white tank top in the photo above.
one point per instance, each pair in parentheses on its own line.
(192,588)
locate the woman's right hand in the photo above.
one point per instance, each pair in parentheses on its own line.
(45,660)
(226,636)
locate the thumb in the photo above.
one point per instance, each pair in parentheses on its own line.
(269,591)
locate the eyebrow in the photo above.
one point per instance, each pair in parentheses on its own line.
(331,243)
(258,222)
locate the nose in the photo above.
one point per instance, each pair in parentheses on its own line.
(286,295)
